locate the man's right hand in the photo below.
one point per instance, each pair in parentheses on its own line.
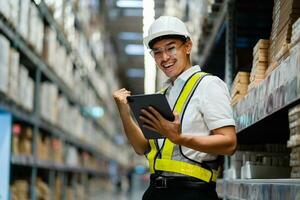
(120,96)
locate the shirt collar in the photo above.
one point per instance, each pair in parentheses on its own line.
(184,75)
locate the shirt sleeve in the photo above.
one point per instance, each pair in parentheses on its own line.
(216,108)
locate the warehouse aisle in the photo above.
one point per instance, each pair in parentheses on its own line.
(139,185)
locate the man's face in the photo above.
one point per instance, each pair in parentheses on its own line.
(171,56)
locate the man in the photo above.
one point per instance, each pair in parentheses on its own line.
(185,164)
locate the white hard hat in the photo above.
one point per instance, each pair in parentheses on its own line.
(166,25)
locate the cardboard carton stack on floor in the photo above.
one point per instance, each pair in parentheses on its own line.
(294,141)
(285,13)
(239,86)
(260,63)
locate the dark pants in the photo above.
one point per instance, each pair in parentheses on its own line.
(153,193)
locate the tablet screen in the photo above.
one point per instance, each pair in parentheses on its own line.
(157,101)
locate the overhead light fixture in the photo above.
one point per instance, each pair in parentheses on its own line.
(130,36)
(93,111)
(150,68)
(132,12)
(129,4)
(135,73)
(134,49)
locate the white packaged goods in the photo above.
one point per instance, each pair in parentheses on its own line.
(4,8)
(33,14)
(69,72)
(23,79)
(13,75)
(36,29)
(59,12)
(4,63)
(71,156)
(49,95)
(63,107)
(24,18)
(14,12)
(30,94)
(49,47)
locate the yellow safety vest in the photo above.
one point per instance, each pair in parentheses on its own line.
(166,163)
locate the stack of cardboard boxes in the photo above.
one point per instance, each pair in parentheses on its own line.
(43,147)
(58,188)
(22,140)
(42,190)
(20,190)
(294,141)
(260,63)
(57,149)
(239,86)
(285,13)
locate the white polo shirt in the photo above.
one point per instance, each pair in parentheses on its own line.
(209,108)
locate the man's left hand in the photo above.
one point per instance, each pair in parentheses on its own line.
(154,121)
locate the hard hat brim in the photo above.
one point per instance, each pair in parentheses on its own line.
(148,39)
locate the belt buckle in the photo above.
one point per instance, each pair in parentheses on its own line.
(161,182)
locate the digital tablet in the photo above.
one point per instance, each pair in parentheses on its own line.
(157,101)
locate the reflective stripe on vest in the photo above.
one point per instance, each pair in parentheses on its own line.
(165,163)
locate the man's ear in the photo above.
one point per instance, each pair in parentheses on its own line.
(189,46)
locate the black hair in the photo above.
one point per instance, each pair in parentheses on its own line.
(180,37)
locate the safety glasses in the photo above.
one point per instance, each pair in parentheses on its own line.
(170,50)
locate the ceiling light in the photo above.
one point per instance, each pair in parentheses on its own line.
(134,49)
(130,36)
(129,4)
(135,73)
(132,12)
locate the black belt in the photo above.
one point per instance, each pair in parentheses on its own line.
(179,182)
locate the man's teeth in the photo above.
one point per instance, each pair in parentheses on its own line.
(168,65)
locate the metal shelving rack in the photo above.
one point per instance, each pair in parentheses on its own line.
(33,118)
(252,127)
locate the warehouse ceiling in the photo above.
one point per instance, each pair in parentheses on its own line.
(125,25)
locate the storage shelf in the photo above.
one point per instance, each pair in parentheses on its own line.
(17,40)
(32,162)
(28,117)
(68,137)
(260,188)
(265,181)
(18,113)
(51,21)
(266,106)
(61,36)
